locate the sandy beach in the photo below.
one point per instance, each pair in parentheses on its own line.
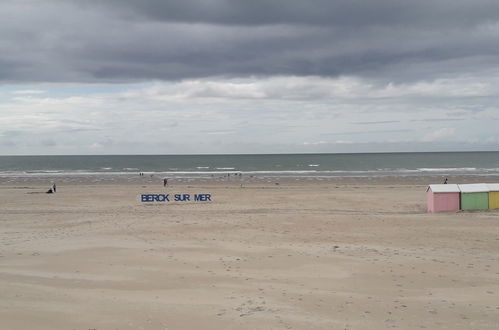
(295,254)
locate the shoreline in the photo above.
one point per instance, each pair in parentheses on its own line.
(246,180)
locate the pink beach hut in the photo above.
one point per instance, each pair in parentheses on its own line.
(443,198)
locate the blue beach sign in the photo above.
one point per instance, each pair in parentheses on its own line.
(162,198)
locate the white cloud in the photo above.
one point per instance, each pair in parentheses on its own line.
(29,91)
(272,114)
(315,88)
(438,135)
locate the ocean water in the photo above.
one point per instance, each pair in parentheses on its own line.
(279,165)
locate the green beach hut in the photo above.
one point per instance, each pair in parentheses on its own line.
(474,196)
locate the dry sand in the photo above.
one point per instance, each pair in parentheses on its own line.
(299,255)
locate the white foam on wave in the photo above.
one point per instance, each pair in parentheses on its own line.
(45,171)
(448,169)
(129,172)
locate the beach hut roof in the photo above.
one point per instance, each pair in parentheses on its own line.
(444,188)
(474,188)
(493,186)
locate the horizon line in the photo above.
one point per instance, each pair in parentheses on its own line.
(257,154)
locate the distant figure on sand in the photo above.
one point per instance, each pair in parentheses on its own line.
(52,189)
(445,182)
(165,182)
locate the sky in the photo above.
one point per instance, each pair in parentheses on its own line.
(238,76)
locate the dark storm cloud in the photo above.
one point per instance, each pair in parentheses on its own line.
(315,12)
(126,41)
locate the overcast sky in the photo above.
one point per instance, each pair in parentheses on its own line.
(239,76)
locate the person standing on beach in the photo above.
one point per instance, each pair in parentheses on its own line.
(53,188)
(445,182)
(165,182)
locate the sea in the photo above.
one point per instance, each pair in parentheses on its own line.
(257,165)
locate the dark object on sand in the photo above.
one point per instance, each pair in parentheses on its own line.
(445,182)
(52,190)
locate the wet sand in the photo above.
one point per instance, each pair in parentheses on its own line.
(288,254)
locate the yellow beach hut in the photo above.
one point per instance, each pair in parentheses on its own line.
(493,195)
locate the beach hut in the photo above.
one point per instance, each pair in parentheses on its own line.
(474,196)
(442,198)
(493,195)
